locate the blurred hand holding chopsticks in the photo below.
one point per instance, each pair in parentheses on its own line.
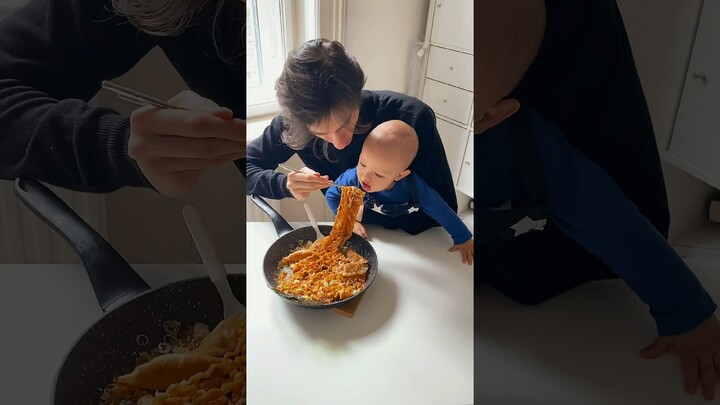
(174,143)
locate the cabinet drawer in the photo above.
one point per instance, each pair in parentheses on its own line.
(465,180)
(451,67)
(694,144)
(453,24)
(454,139)
(447,100)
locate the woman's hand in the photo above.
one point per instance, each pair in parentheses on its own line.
(174,147)
(699,352)
(305,181)
(467,251)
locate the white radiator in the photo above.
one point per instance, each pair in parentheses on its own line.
(24,238)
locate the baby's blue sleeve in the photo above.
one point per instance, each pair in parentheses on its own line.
(433,205)
(588,206)
(333,194)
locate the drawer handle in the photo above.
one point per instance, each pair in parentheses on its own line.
(467,162)
(445,101)
(439,5)
(451,68)
(701,76)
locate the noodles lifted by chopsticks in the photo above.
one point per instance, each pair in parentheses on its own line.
(211,374)
(322,272)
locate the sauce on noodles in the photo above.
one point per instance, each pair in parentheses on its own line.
(324,272)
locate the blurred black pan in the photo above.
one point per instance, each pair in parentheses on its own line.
(110,347)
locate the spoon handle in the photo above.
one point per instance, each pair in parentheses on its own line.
(312,220)
(209,256)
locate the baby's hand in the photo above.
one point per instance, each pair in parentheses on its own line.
(360,230)
(360,214)
(467,251)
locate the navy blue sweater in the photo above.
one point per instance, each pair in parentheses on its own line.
(54,54)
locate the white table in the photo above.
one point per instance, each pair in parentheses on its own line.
(410,341)
(578,348)
(44,309)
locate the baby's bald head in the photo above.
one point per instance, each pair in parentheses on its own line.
(507,37)
(395,140)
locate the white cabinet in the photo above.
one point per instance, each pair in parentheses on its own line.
(465,182)
(454,139)
(448,101)
(453,68)
(695,142)
(448,83)
(452,24)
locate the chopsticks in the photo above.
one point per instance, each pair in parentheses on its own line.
(288,168)
(291,170)
(136,97)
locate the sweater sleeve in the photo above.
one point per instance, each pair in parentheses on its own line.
(263,156)
(440,211)
(588,206)
(53,56)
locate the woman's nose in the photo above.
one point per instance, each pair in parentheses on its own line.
(340,140)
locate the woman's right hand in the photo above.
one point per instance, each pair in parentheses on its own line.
(305,181)
(173,147)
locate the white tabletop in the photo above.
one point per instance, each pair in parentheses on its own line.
(578,348)
(44,309)
(410,341)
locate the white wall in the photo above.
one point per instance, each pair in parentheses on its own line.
(661,34)
(381,34)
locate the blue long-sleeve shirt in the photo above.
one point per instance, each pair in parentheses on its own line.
(429,201)
(588,206)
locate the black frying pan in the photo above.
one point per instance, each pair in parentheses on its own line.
(109,348)
(288,241)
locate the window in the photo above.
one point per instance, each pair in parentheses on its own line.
(273,28)
(269,39)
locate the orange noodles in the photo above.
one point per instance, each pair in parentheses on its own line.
(321,272)
(212,373)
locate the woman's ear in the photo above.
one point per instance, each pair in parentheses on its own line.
(497,114)
(402,174)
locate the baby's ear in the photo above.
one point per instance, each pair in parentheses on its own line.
(402,174)
(496,114)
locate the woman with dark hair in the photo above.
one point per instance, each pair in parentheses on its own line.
(55,54)
(325,117)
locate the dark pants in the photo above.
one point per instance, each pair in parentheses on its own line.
(537,265)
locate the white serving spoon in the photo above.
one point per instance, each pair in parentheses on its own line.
(215,269)
(313,222)
(318,234)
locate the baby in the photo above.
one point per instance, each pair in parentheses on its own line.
(393,190)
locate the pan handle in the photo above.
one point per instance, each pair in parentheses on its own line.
(281,225)
(111,276)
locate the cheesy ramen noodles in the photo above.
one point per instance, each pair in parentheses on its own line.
(212,373)
(322,272)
